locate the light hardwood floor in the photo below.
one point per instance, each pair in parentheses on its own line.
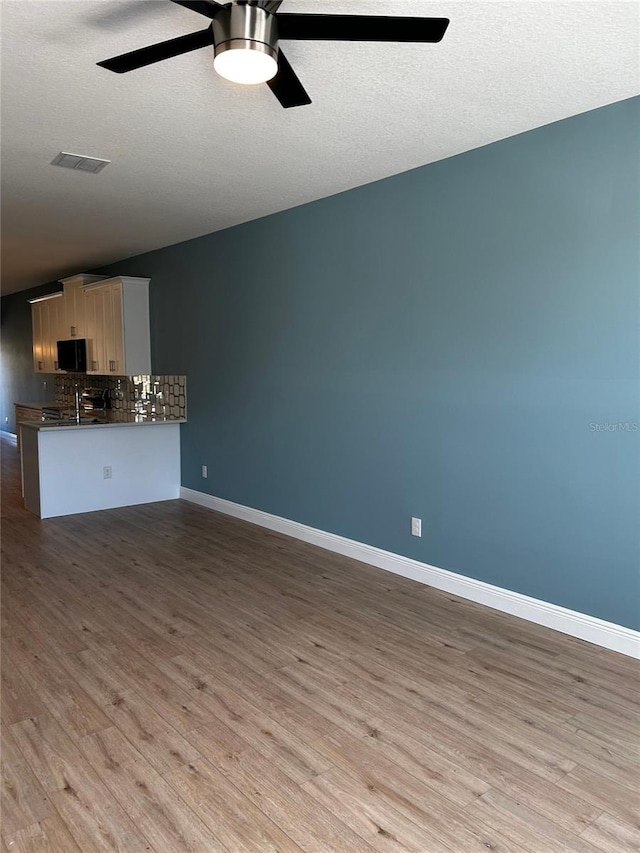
(176,680)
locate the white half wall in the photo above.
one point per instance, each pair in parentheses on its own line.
(144,462)
(589,628)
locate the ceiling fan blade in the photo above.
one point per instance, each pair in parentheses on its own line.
(158,52)
(360,28)
(286,86)
(208,8)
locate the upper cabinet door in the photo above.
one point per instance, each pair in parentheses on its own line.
(104,329)
(114,329)
(74,325)
(38,340)
(46,317)
(94,325)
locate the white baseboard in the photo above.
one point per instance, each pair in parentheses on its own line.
(590,628)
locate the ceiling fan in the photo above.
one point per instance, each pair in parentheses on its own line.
(245,37)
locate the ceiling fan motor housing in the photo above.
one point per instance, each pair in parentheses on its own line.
(245,27)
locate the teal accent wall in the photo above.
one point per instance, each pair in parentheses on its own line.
(444,344)
(436,344)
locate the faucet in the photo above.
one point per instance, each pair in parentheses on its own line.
(78,398)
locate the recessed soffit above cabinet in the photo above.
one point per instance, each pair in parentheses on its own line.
(111,315)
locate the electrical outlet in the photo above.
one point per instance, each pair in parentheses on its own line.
(416,527)
(107,472)
(205,473)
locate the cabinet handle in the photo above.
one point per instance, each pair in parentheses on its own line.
(40,365)
(94,365)
(55,365)
(113,366)
(74,331)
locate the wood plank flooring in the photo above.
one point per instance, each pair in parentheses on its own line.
(176,680)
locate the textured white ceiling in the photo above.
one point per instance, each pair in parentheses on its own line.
(192,153)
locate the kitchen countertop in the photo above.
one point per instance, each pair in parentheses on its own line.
(51,404)
(100,421)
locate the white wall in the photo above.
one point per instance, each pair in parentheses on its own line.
(144,460)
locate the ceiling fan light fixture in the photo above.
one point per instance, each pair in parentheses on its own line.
(245,42)
(248,65)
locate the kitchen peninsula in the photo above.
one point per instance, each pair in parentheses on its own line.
(111,437)
(119,459)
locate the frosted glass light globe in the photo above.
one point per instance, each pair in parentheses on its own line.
(245,65)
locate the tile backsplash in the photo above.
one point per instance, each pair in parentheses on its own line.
(163,395)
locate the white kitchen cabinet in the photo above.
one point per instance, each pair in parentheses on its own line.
(74,319)
(36,328)
(94,330)
(117,326)
(105,329)
(74,325)
(111,314)
(46,318)
(115,337)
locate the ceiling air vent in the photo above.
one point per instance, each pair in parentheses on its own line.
(78,162)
